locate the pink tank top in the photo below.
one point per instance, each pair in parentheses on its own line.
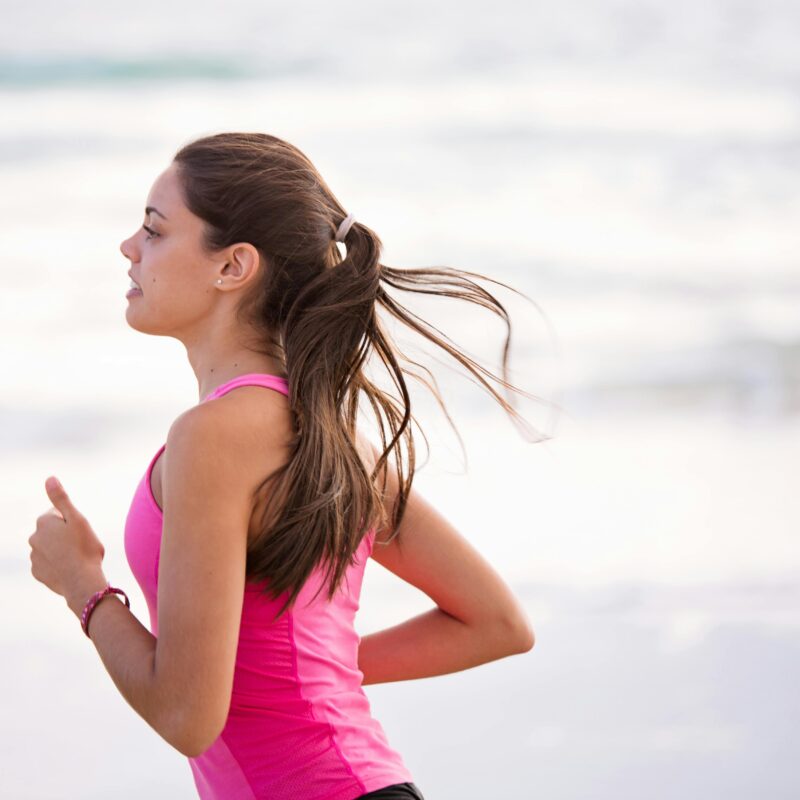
(299,725)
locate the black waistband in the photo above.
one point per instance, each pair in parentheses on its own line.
(397,791)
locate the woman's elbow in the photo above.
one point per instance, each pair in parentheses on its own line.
(520,634)
(527,638)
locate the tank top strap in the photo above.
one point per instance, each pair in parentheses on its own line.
(265,379)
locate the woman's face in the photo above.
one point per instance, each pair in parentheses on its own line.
(175,275)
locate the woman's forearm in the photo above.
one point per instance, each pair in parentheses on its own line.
(433,643)
(127,650)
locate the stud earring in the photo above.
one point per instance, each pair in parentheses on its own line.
(219,280)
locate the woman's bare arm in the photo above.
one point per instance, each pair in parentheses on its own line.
(477,617)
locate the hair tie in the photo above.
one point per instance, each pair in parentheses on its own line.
(347,222)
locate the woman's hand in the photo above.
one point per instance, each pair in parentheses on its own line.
(66,555)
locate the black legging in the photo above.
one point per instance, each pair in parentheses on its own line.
(397,791)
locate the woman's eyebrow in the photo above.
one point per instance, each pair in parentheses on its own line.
(150,209)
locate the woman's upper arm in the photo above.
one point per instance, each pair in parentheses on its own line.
(201,572)
(429,553)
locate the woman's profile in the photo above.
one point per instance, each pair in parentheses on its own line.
(250,529)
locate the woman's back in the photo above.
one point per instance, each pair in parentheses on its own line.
(299,724)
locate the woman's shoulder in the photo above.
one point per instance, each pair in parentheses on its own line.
(255,421)
(251,409)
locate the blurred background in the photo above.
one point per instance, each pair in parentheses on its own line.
(632,167)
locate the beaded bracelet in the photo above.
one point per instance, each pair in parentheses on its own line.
(94,600)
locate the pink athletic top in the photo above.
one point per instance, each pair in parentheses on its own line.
(300,725)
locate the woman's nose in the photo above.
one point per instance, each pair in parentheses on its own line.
(124,247)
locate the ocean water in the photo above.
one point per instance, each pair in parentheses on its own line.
(633,169)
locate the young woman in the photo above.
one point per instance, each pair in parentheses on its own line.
(250,529)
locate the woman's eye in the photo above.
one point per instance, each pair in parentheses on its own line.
(150,231)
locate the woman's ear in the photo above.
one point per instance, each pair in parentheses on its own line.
(244,264)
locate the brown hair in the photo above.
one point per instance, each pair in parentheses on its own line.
(315,312)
